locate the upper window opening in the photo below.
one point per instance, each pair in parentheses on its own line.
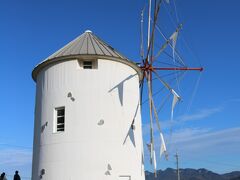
(60,119)
(87,65)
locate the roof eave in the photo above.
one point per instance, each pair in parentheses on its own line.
(48,62)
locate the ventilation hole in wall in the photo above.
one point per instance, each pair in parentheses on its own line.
(42,172)
(109,167)
(69,94)
(107,173)
(101,122)
(43,127)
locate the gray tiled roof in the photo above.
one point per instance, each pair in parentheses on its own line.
(87,44)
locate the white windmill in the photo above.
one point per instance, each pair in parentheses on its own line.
(87,98)
(87,115)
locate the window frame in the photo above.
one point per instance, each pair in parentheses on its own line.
(91,64)
(88,65)
(56,129)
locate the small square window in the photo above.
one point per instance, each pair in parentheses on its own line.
(87,65)
(59,125)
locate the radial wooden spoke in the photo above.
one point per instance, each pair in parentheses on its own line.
(148,75)
(141,90)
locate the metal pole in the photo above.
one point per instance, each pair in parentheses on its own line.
(178,68)
(149,23)
(178,172)
(142,46)
(152,68)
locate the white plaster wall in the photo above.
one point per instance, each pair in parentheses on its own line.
(84,150)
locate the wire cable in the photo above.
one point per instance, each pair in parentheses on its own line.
(176,13)
(194,92)
(179,60)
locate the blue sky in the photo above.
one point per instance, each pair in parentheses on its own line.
(206,131)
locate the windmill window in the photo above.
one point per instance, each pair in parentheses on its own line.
(59,119)
(87,65)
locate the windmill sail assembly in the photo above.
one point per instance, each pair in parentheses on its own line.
(88,122)
(150,70)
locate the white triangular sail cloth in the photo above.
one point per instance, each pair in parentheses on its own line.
(142,166)
(173,38)
(152,153)
(176,98)
(154,161)
(163,148)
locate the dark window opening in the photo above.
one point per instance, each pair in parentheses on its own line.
(60,119)
(87,65)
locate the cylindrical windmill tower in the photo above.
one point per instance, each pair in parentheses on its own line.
(87,114)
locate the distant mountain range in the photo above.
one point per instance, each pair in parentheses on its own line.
(192,174)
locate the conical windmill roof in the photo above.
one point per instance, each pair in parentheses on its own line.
(87,43)
(85,46)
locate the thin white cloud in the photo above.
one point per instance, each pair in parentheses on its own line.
(206,138)
(198,142)
(198,138)
(204,113)
(16,157)
(188,133)
(167,124)
(216,150)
